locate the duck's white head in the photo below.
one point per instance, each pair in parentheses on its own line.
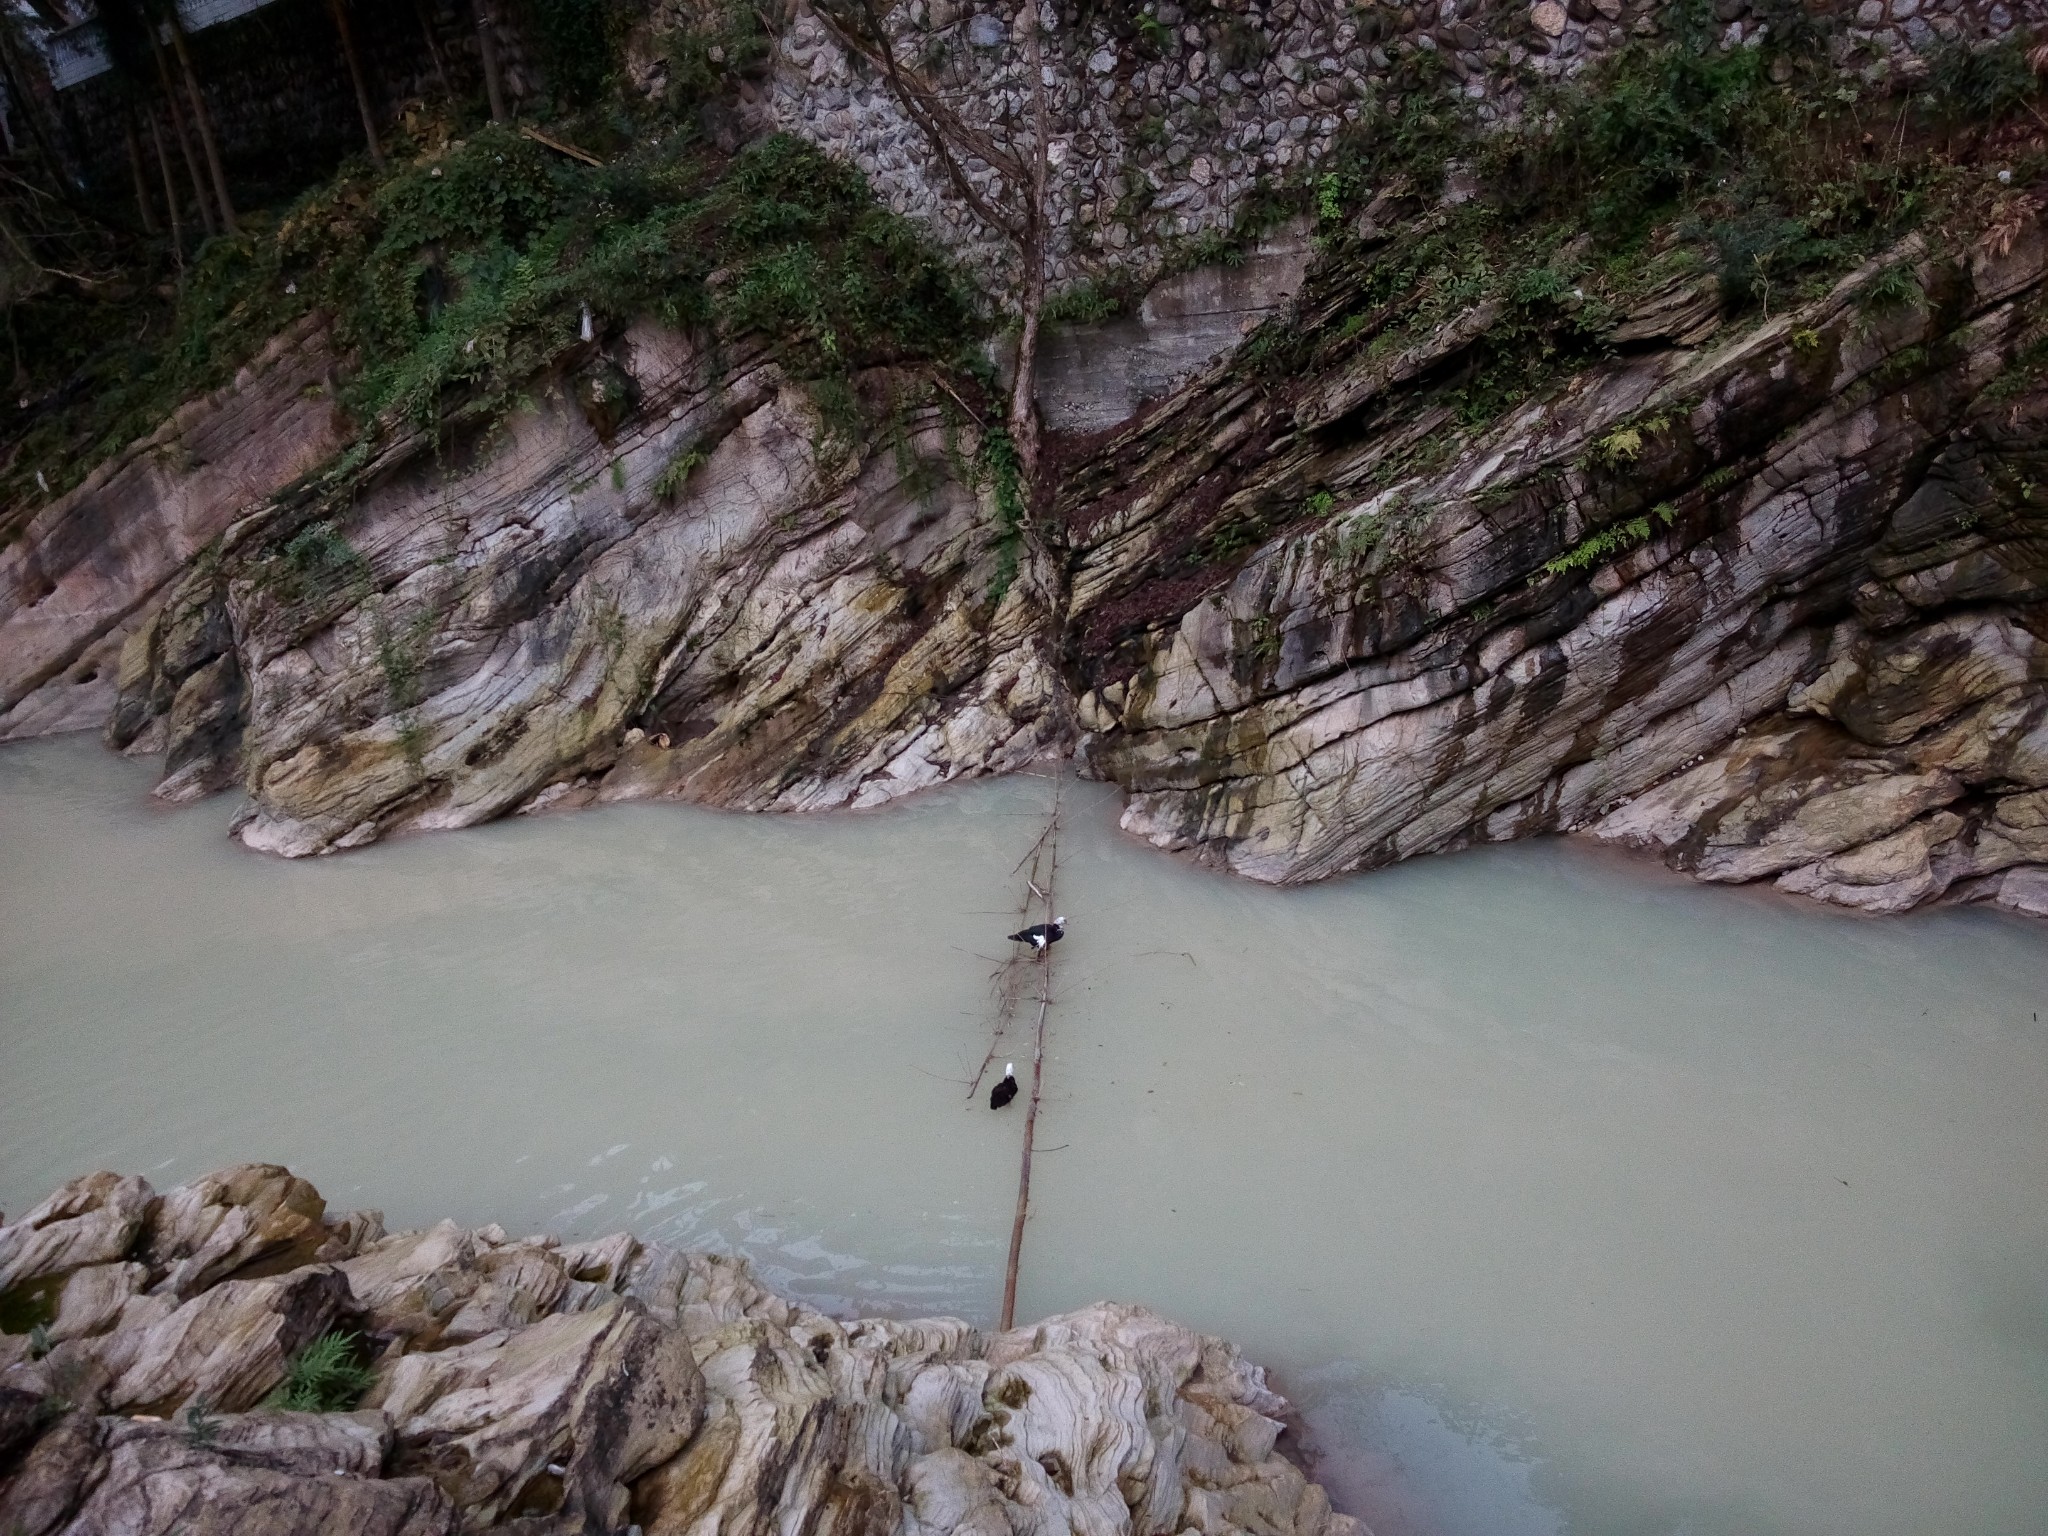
(1059,922)
(1009,1069)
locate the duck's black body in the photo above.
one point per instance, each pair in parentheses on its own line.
(1038,935)
(1003,1092)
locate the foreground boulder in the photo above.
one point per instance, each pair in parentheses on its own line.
(92,1220)
(247,1475)
(536,1386)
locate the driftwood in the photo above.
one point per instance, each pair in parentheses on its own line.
(1007,981)
(1049,845)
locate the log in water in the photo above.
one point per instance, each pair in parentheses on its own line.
(1561,1194)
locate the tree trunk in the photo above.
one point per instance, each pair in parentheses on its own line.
(142,203)
(204,119)
(163,75)
(339,10)
(487,45)
(433,48)
(156,138)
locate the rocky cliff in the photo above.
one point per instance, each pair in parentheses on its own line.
(231,1357)
(1759,600)
(1479,500)
(1761,603)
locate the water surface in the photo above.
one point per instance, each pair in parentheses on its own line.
(1562,1195)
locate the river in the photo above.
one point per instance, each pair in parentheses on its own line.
(1562,1195)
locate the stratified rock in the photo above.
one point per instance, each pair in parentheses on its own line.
(259,1475)
(52,1478)
(92,1220)
(721,601)
(1610,609)
(448,1286)
(600,1397)
(228,1346)
(94,1298)
(207,1230)
(623,1384)
(23,1414)
(83,574)
(1110,1419)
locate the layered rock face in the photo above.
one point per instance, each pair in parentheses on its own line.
(1762,598)
(660,579)
(90,565)
(535,1386)
(1809,554)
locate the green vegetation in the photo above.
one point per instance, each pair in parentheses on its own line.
(316,562)
(676,473)
(1085,303)
(202,1425)
(30,1305)
(1598,547)
(1001,470)
(1759,174)
(327,1376)
(459,276)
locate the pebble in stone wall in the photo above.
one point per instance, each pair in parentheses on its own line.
(1163,131)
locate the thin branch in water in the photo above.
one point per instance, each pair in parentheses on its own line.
(1009,1311)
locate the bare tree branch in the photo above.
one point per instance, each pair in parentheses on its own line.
(927,109)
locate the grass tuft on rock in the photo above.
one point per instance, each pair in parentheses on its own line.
(327,1376)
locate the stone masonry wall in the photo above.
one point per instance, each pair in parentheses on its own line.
(1167,121)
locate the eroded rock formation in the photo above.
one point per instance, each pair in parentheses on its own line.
(1760,597)
(535,1386)
(712,594)
(1809,552)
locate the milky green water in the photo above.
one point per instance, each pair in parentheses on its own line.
(1563,1196)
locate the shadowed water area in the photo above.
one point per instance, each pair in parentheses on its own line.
(1562,1196)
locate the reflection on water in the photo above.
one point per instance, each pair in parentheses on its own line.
(1563,1196)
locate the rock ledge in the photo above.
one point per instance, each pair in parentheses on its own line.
(535,1386)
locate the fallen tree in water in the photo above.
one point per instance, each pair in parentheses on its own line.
(161,1353)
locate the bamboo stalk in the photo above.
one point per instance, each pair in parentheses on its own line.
(163,75)
(338,9)
(156,139)
(142,203)
(203,120)
(1010,973)
(1009,1313)
(559,147)
(433,48)
(487,50)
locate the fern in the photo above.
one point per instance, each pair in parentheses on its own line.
(327,1377)
(1610,541)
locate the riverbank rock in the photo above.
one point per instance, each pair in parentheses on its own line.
(1760,595)
(225,1222)
(273,1474)
(527,1385)
(93,1220)
(1763,601)
(95,561)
